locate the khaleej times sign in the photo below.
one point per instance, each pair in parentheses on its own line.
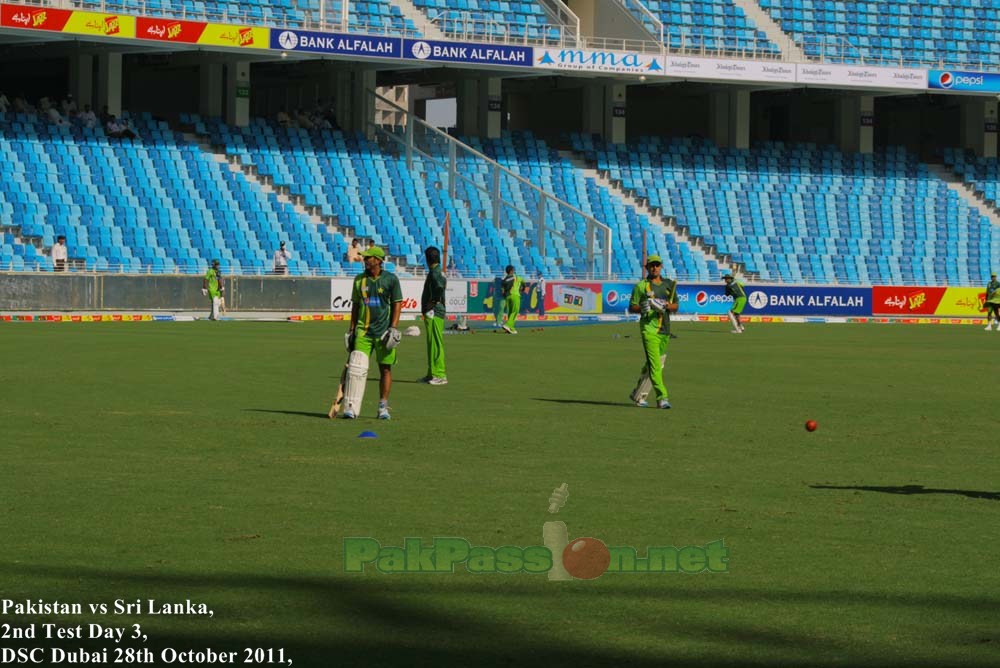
(739,70)
(588,60)
(371,46)
(860,76)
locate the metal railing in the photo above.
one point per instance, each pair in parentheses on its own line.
(477,27)
(562,15)
(528,205)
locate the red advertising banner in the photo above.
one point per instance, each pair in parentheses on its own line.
(34,18)
(170,30)
(912,300)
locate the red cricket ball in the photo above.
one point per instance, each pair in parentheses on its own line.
(586,558)
(811,425)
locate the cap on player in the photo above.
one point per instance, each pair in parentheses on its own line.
(727,277)
(375,252)
(653,259)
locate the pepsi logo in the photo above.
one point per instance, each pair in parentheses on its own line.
(613,297)
(701,298)
(946,80)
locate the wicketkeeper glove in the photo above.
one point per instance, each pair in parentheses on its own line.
(391,338)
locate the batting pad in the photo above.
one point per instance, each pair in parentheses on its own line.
(357,376)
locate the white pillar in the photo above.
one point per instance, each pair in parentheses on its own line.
(362,103)
(978,128)
(729,118)
(81,79)
(467,103)
(210,94)
(238,93)
(109,83)
(614,113)
(490,106)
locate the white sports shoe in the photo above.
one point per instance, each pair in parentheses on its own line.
(438,381)
(506,328)
(349,414)
(383,411)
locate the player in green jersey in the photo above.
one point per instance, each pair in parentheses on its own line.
(211,286)
(654,298)
(511,287)
(432,304)
(376,304)
(993,303)
(735,290)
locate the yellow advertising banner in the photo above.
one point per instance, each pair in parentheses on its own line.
(102,25)
(962,301)
(219,34)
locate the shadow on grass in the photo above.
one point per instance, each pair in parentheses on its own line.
(374,620)
(586,402)
(296,413)
(915,489)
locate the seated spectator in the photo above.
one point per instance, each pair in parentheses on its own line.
(354,251)
(113,128)
(105,116)
(284,120)
(127,131)
(88,118)
(320,123)
(21,105)
(4,103)
(69,106)
(55,118)
(303,120)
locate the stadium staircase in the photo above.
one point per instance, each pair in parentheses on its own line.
(668,224)
(281,193)
(954,179)
(763,21)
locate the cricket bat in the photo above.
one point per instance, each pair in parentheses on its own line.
(335,408)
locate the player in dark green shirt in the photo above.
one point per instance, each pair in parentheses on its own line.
(993,303)
(654,298)
(376,303)
(511,287)
(735,290)
(432,304)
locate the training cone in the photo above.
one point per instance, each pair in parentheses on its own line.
(367,434)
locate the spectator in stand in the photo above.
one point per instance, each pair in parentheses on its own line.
(281,257)
(303,120)
(105,116)
(284,120)
(21,105)
(319,122)
(55,118)
(354,251)
(88,118)
(59,254)
(4,103)
(44,105)
(113,128)
(127,131)
(69,106)
(371,244)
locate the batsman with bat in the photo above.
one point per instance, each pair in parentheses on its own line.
(654,298)
(377,301)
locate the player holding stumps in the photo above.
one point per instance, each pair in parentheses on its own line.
(993,303)
(654,298)
(735,290)
(432,305)
(376,303)
(511,287)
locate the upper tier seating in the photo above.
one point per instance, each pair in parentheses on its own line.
(713,25)
(948,34)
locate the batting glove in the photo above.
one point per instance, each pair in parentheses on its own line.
(391,338)
(658,305)
(645,307)
(349,340)
(429,314)
(204,292)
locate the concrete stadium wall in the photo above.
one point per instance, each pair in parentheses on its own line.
(97,292)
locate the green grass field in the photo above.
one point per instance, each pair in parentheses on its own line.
(195,461)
